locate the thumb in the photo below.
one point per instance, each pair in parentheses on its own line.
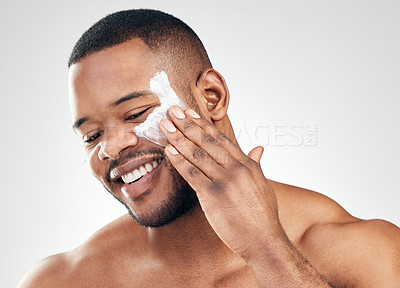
(256,153)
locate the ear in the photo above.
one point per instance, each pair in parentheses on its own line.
(214,92)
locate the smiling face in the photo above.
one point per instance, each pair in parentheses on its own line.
(109,96)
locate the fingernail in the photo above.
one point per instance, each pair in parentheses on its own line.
(192,113)
(168,126)
(171,149)
(178,112)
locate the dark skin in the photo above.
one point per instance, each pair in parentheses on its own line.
(246,231)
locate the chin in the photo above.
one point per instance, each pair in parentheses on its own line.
(163,204)
(157,198)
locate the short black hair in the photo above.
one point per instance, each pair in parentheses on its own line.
(179,46)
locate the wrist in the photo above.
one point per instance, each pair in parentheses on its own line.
(269,250)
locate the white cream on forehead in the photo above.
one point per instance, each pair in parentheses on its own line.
(150,129)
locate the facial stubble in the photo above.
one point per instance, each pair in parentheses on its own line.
(181,200)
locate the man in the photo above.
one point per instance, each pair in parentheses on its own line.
(208,217)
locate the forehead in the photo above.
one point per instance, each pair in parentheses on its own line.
(104,76)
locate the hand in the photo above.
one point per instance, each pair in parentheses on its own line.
(232,190)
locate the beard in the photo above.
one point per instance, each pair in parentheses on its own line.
(181,200)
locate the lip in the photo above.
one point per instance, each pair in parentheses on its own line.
(139,188)
(131,165)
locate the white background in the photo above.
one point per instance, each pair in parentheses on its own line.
(333,64)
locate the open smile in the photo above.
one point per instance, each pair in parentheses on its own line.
(136,178)
(140,172)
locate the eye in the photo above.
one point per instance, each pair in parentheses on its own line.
(136,115)
(88,139)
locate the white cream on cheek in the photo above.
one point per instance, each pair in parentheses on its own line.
(150,129)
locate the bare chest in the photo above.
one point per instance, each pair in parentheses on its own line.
(151,277)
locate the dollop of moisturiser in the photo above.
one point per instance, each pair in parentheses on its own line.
(150,129)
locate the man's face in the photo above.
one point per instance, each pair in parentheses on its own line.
(109,96)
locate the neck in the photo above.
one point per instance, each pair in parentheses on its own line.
(189,239)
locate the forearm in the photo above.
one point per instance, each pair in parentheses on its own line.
(284,267)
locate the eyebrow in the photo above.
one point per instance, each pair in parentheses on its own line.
(130,96)
(79,122)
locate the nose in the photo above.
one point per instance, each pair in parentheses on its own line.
(115,140)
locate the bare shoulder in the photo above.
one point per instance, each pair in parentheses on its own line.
(87,264)
(300,209)
(364,253)
(345,249)
(49,272)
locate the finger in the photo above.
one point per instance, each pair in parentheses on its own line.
(206,136)
(256,153)
(194,133)
(193,175)
(222,140)
(194,154)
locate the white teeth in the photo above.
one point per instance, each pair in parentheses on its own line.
(130,177)
(148,167)
(137,174)
(127,178)
(141,171)
(133,176)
